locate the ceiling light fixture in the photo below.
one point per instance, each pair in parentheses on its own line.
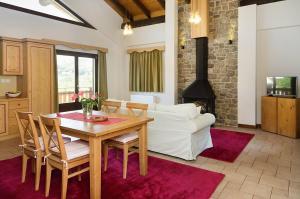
(195,18)
(127,29)
(45,2)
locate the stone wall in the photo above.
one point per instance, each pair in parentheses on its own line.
(222,61)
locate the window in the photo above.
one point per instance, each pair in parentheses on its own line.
(146,71)
(53,9)
(75,72)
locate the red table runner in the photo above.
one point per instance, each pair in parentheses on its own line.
(80,117)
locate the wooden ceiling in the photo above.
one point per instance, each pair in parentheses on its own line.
(139,12)
(258,2)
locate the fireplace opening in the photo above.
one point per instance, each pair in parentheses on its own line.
(200,91)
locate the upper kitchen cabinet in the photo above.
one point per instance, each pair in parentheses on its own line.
(11,57)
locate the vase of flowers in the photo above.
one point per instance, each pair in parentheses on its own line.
(88,102)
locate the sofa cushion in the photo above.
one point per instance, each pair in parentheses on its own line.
(186,110)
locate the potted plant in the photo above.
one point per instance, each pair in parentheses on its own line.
(88,103)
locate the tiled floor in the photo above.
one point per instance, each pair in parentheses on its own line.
(269,167)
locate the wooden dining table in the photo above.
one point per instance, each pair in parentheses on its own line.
(95,133)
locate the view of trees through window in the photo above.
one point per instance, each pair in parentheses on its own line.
(74,74)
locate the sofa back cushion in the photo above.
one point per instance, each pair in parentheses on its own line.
(186,110)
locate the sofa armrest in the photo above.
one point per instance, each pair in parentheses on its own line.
(204,120)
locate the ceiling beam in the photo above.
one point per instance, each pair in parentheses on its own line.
(142,7)
(258,2)
(162,3)
(146,22)
(121,10)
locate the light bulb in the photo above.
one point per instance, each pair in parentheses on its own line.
(45,2)
(191,19)
(127,30)
(195,18)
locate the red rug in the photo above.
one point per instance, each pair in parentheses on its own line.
(227,145)
(165,180)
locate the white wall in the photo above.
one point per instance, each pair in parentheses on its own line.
(247,65)
(148,36)
(96,12)
(157,35)
(278,44)
(275,52)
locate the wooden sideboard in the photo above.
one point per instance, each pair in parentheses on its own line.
(8,122)
(281,115)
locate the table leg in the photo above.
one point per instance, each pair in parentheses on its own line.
(95,167)
(143,146)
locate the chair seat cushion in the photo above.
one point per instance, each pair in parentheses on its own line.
(65,138)
(127,137)
(75,149)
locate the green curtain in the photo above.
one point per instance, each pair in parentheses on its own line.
(55,100)
(146,71)
(102,74)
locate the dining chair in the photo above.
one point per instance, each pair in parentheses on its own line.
(127,141)
(111,106)
(60,155)
(32,147)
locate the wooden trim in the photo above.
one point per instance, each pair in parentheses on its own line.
(131,50)
(4,137)
(258,2)
(142,7)
(200,29)
(75,45)
(162,3)
(5,104)
(247,126)
(37,41)
(146,22)
(10,39)
(120,9)
(33,12)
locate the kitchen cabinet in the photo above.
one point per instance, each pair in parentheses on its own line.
(11,57)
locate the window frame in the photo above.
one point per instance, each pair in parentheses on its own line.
(83,22)
(76,105)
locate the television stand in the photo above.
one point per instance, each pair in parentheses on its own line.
(281,115)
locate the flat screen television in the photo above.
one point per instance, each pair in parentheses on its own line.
(282,86)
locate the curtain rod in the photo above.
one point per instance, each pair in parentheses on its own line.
(75,45)
(131,50)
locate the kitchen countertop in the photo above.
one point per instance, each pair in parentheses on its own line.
(4,98)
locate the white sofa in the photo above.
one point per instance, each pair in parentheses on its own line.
(178,130)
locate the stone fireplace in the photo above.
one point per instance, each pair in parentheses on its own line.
(200,91)
(222,56)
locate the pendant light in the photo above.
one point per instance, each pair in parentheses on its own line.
(194,16)
(127,28)
(45,2)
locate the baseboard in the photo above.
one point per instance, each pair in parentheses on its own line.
(247,126)
(8,137)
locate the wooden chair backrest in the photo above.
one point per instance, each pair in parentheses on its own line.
(28,130)
(52,136)
(142,109)
(111,106)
